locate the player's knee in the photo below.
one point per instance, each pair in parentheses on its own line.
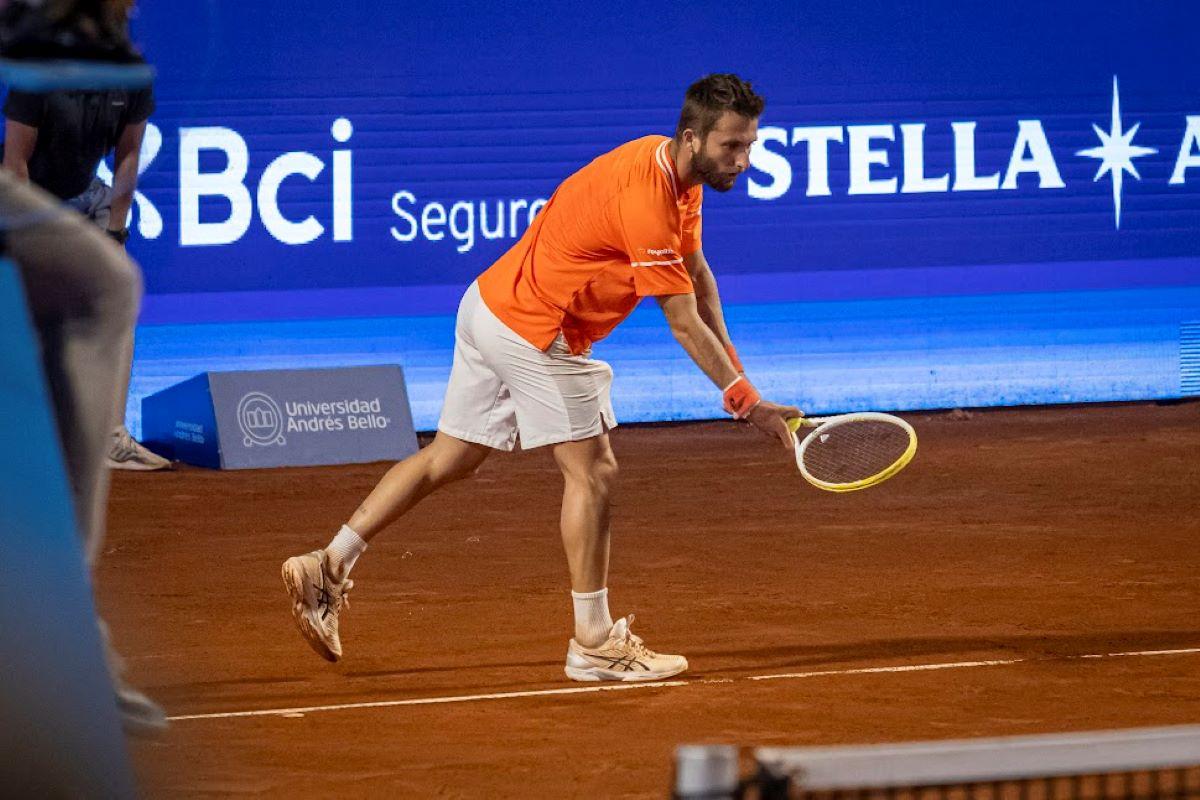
(598,478)
(447,468)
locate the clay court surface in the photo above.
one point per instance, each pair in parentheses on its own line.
(1062,542)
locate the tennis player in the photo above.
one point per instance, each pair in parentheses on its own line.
(624,227)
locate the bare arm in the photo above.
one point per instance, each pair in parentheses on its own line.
(705,348)
(696,336)
(125,173)
(19,141)
(708,300)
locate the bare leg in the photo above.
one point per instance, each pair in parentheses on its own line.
(446,459)
(318,582)
(596,654)
(589,471)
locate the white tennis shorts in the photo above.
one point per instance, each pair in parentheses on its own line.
(502,387)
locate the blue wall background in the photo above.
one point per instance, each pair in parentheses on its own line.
(862,296)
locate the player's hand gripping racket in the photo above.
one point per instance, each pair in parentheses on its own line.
(852,451)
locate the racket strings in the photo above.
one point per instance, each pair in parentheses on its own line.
(854,451)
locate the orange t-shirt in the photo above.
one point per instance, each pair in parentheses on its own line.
(614,232)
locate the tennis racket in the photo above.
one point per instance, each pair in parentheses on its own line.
(852,451)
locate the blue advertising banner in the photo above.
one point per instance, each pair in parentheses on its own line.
(297,149)
(312,163)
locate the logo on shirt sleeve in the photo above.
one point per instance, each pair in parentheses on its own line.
(658,257)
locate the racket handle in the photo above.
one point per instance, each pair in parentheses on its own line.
(796,423)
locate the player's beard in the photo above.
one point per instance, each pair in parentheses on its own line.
(711,174)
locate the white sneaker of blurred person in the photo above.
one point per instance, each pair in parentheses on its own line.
(125,452)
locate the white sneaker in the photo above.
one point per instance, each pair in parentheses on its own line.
(623,657)
(125,452)
(317,599)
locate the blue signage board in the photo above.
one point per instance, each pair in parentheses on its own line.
(296,149)
(988,203)
(277,418)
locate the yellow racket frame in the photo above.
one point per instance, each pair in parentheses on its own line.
(817,423)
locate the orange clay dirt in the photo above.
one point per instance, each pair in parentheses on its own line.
(1033,536)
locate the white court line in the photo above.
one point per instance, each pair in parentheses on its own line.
(903,668)
(1184,651)
(615,687)
(965,664)
(428,701)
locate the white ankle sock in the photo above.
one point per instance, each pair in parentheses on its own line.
(592,620)
(344,550)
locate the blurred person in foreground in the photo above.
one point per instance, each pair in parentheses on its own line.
(624,227)
(56,140)
(82,289)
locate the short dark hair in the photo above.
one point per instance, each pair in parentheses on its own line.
(711,96)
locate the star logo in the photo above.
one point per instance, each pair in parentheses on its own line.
(1116,153)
